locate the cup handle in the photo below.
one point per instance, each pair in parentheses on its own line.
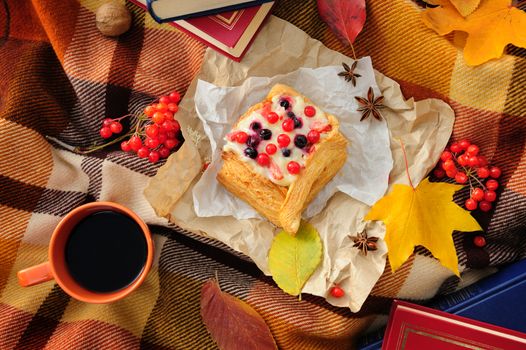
(35,275)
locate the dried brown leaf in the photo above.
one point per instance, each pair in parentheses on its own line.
(232,323)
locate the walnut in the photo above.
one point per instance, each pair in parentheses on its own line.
(113,19)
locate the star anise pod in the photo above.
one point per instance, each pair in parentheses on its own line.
(364,243)
(348,73)
(371,105)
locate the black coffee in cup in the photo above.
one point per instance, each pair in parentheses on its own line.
(106,251)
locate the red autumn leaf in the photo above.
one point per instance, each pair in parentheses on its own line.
(232,323)
(345,17)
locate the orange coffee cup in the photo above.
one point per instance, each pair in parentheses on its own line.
(56,268)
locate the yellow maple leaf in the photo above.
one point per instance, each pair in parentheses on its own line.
(424,216)
(492,26)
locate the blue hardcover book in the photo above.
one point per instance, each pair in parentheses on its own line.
(499,299)
(174,10)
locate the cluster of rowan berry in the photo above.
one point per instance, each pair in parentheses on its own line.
(463,162)
(156,133)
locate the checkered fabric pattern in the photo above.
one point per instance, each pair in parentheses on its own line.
(59,78)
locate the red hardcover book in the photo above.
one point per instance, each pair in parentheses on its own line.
(414,327)
(230,33)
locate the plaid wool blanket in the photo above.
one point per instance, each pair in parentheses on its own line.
(59,78)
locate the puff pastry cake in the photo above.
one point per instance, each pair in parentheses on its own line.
(280,154)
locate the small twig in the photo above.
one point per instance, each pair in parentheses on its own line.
(96,148)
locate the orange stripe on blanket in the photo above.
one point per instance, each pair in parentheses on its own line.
(14,223)
(403,48)
(304,325)
(90,334)
(516,100)
(28,159)
(13,322)
(89,53)
(58,20)
(160,73)
(390,283)
(23,21)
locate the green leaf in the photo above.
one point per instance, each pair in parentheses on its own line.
(293,259)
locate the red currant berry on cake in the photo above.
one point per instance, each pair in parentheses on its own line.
(288,125)
(283,140)
(272,118)
(485,206)
(105,132)
(477,194)
(309,111)
(336,292)
(490,196)
(313,136)
(492,185)
(241,137)
(446,155)
(293,168)
(271,148)
(263,159)
(482,172)
(472,150)
(471,204)
(455,147)
(479,241)
(494,172)
(464,144)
